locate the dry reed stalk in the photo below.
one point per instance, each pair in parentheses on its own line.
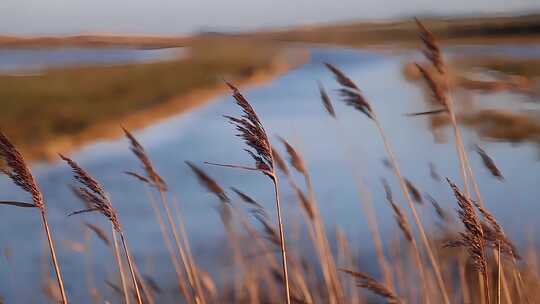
(147,292)
(169,246)
(125,289)
(254,135)
(367,203)
(310,206)
(158,183)
(442,94)
(90,278)
(405,227)
(464,285)
(433,54)
(258,240)
(346,259)
(258,212)
(499,274)
(225,212)
(250,273)
(400,218)
(353,97)
(17,170)
(481,207)
(185,241)
(93,194)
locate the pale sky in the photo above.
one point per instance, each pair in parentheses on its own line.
(44,17)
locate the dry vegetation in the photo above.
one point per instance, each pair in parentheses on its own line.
(477,264)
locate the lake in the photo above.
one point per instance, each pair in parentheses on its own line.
(335,152)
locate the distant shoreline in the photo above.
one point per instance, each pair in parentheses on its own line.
(400,32)
(288,60)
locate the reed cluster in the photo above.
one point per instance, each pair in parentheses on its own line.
(477,264)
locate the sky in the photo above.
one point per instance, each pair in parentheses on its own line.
(49,17)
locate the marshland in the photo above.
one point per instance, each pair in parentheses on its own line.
(403,169)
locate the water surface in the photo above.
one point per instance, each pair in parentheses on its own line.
(21,61)
(336,151)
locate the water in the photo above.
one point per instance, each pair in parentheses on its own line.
(22,61)
(335,152)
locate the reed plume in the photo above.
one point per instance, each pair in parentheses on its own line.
(489,163)
(366,281)
(473,237)
(91,191)
(441,213)
(327,102)
(431,48)
(252,132)
(209,183)
(140,153)
(415,193)
(433,172)
(350,93)
(247,199)
(17,170)
(400,218)
(99,233)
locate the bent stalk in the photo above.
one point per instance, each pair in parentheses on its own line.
(53,257)
(282,240)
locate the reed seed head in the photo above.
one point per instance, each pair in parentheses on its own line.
(350,93)
(18,171)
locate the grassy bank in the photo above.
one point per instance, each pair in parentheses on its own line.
(65,102)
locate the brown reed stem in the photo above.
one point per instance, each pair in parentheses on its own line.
(318,236)
(405,191)
(53,257)
(325,246)
(131,270)
(147,291)
(120,266)
(189,269)
(373,227)
(499,272)
(482,204)
(185,241)
(282,240)
(169,247)
(367,206)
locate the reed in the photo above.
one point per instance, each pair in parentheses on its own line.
(352,96)
(315,223)
(154,180)
(91,191)
(254,135)
(366,199)
(18,171)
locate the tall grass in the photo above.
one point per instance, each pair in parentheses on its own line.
(477,264)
